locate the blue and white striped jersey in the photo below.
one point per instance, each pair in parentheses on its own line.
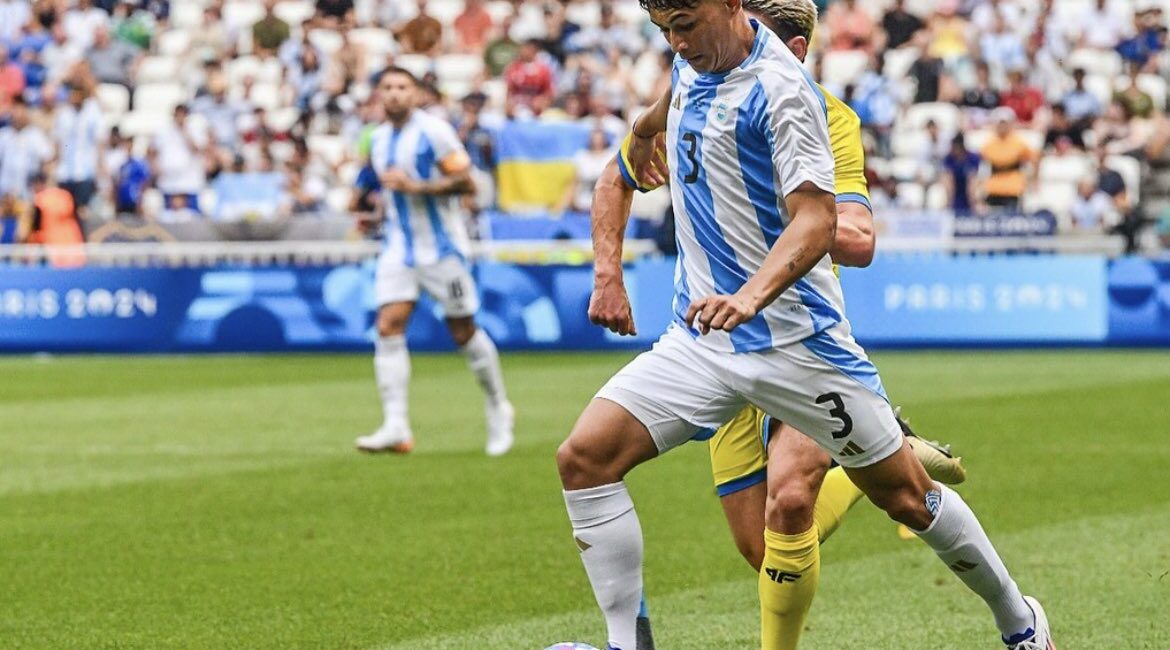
(78,134)
(421,230)
(737,143)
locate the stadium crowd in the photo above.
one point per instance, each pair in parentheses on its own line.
(249,109)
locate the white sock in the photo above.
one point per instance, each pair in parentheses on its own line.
(392,370)
(959,540)
(484,360)
(609,536)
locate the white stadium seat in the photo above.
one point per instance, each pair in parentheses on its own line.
(843,67)
(143,123)
(1130,170)
(186,15)
(947,116)
(173,42)
(327,41)
(1098,62)
(158,69)
(294,12)
(159,97)
(417,64)
(1063,169)
(114,99)
(458,67)
(330,148)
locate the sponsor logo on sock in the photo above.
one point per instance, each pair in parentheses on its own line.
(852,449)
(779,576)
(582,545)
(963,566)
(933,502)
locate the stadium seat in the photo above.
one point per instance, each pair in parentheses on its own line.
(159,97)
(294,12)
(283,119)
(1101,87)
(1055,196)
(327,41)
(1155,87)
(1034,138)
(266,96)
(186,15)
(143,123)
(445,11)
(947,116)
(1097,62)
(911,195)
(1063,169)
(331,148)
(337,200)
(936,197)
(158,69)
(898,62)
(905,169)
(458,67)
(499,10)
(588,14)
(418,64)
(241,12)
(906,143)
(114,99)
(976,139)
(173,42)
(843,66)
(376,42)
(240,67)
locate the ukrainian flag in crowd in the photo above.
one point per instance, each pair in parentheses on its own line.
(535,163)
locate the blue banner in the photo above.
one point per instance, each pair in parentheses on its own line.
(905,300)
(932,300)
(301,308)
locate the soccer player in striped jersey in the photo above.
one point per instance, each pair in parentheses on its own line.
(808,496)
(422,169)
(759,320)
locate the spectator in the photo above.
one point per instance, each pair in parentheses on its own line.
(928,73)
(982,95)
(934,149)
(948,29)
(12,81)
(850,26)
(1101,26)
(77,131)
(25,151)
(35,72)
(900,25)
(473,27)
(961,175)
(340,13)
(502,51)
(54,223)
(132,25)
(1131,219)
(130,180)
(985,16)
(1081,105)
(60,54)
(477,138)
(559,32)
(1147,40)
(178,164)
(421,35)
(14,15)
(222,113)
(83,21)
(587,167)
(1010,162)
(1092,210)
(270,32)
(1002,48)
(113,62)
(529,80)
(1135,101)
(1062,128)
(211,40)
(1024,100)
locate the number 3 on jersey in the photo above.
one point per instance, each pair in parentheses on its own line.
(692,142)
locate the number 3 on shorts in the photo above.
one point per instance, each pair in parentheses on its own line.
(838,411)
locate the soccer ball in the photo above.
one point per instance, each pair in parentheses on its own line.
(570,645)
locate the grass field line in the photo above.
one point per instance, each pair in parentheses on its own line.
(1051,554)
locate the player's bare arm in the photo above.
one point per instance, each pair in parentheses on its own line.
(855,242)
(807,239)
(453,182)
(609,306)
(647,141)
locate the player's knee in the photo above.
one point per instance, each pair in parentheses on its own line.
(391,324)
(579,465)
(906,506)
(789,509)
(461,330)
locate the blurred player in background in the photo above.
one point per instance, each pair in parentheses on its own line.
(422,169)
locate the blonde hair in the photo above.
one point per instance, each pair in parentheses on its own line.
(790,17)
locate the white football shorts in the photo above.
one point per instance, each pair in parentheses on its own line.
(448,281)
(824,386)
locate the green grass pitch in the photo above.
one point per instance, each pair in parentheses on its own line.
(176,502)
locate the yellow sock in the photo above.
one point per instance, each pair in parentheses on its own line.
(788,582)
(838,494)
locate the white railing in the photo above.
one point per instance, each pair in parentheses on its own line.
(271,253)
